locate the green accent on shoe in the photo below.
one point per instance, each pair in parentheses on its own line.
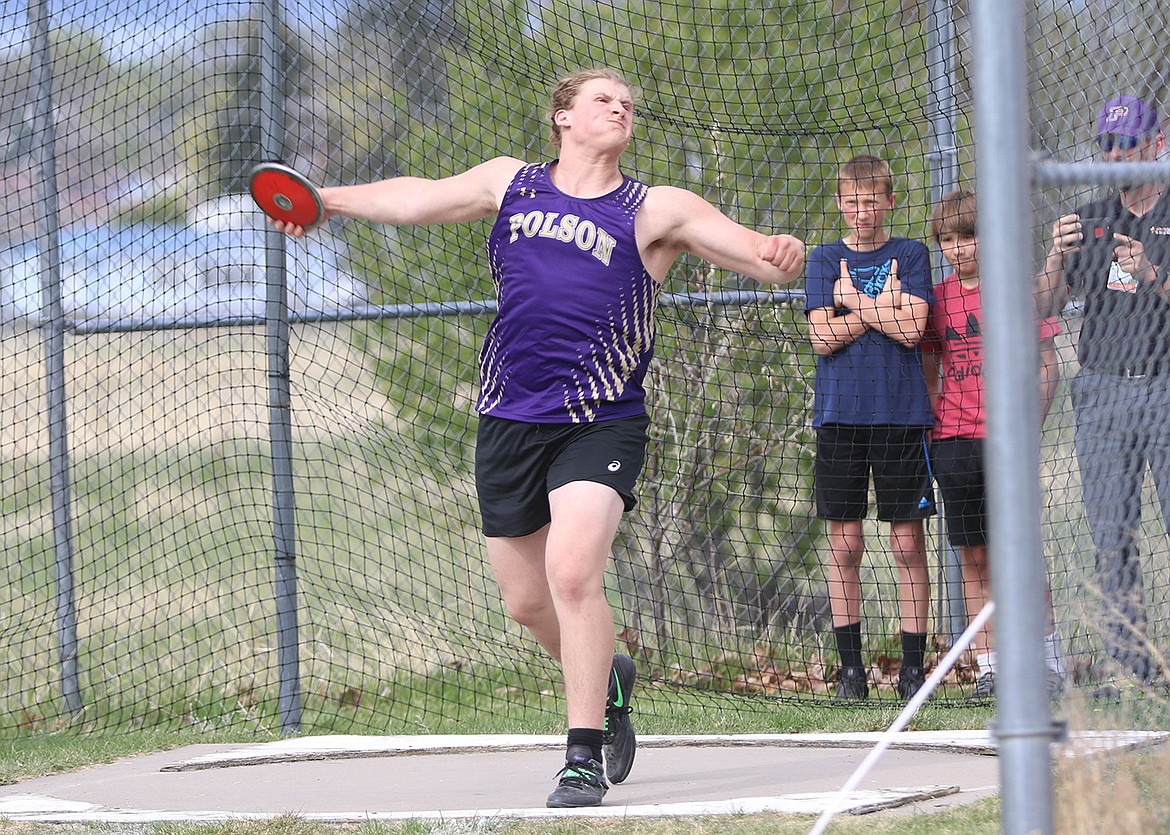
(620,742)
(619,700)
(580,783)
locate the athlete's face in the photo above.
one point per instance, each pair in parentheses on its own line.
(603,109)
(864,207)
(961,249)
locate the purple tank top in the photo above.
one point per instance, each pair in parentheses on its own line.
(574,332)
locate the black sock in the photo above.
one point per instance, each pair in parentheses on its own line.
(849,644)
(590,738)
(913,649)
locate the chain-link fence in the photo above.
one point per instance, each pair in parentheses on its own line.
(234,494)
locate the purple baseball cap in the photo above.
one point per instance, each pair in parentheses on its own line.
(1127,116)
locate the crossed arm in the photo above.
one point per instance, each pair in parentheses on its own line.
(900,316)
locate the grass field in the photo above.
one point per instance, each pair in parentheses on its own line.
(171,490)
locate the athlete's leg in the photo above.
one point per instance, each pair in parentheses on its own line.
(519,567)
(585,517)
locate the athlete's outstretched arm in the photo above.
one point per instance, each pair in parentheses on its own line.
(677,220)
(470,195)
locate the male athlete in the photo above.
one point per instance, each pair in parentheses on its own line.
(579,253)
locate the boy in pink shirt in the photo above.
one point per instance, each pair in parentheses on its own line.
(952,349)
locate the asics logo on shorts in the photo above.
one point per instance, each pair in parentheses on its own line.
(614,466)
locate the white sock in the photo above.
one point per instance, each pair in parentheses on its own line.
(986,662)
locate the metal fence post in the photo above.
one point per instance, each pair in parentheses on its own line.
(944,176)
(279,389)
(1024,729)
(53,331)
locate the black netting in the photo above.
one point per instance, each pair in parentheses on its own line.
(136,411)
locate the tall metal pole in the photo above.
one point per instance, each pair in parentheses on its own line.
(942,108)
(1024,728)
(53,335)
(279,388)
(944,176)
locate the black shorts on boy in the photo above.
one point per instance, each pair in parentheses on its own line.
(958,467)
(518,464)
(897,458)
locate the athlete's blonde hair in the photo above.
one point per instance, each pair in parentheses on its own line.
(566,91)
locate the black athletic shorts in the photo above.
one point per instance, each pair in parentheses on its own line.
(897,458)
(958,468)
(518,464)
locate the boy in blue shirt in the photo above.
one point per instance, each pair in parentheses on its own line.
(868,299)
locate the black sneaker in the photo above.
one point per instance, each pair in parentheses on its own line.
(984,688)
(620,743)
(581,781)
(910,681)
(853,686)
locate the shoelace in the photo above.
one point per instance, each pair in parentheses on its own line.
(580,773)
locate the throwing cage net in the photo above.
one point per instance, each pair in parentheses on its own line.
(183,544)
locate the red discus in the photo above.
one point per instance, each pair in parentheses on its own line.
(285,195)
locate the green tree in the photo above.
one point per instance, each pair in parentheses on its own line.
(221,130)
